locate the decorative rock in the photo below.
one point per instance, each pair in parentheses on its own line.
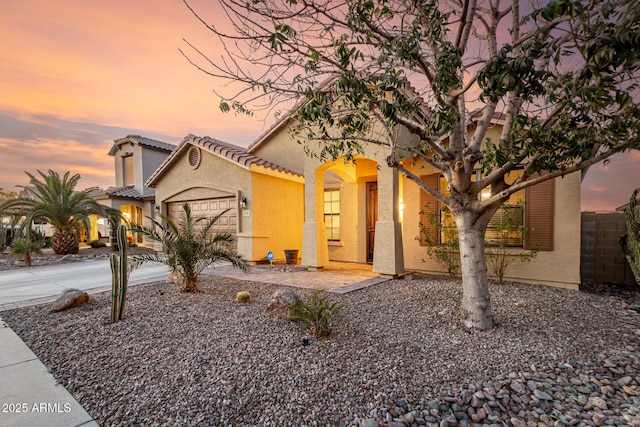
(370,422)
(280,303)
(69,298)
(542,395)
(625,380)
(598,402)
(409,418)
(518,387)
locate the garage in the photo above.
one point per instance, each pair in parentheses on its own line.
(210,208)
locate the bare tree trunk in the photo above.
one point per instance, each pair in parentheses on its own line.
(476,303)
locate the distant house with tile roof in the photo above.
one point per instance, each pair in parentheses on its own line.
(135,159)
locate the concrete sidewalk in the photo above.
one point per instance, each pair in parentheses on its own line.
(29,394)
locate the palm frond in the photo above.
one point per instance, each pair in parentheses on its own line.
(190,246)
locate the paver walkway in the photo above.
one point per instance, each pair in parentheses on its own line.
(336,277)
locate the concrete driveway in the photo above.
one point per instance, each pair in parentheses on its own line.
(28,286)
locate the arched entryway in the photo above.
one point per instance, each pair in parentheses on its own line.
(347,205)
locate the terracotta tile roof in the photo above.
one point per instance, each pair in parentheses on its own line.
(127,192)
(230,152)
(142,141)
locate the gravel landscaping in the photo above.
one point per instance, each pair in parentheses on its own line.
(397,357)
(47,257)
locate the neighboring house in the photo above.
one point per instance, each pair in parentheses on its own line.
(282,199)
(135,160)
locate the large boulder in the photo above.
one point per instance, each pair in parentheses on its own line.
(69,298)
(281,302)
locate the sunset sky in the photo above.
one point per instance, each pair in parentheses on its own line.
(75,75)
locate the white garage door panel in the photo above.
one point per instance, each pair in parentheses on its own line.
(210,208)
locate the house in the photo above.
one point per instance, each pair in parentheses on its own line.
(280,198)
(262,201)
(135,160)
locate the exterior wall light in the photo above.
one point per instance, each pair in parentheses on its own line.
(243,202)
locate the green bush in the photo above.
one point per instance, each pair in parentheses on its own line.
(24,246)
(97,244)
(500,257)
(444,247)
(317,315)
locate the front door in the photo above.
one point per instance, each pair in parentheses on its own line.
(372,217)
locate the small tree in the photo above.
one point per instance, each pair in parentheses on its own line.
(25,246)
(561,78)
(53,198)
(190,246)
(631,240)
(502,258)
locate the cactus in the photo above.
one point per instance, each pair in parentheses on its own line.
(631,241)
(119,276)
(243,297)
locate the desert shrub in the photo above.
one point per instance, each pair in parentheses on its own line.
(500,257)
(97,244)
(243,297)
(317,315)
(444,248)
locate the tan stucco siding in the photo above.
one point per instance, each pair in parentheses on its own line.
(559,267)
(214,177)
(281,148)
(277,212)
(351,221)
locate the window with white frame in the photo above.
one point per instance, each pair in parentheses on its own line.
(332,214)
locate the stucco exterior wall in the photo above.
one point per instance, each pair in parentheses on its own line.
(145,163)
(277,212)
(214,177)
(560,267)
(150,160)
(280,148)
(118,164)
(351,220)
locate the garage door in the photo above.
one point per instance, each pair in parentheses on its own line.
(210,208)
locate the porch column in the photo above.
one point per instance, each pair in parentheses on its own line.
(388,255)
(93,227)
(315,252)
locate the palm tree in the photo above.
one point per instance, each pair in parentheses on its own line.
(190,246)
(55,200)
(25,246)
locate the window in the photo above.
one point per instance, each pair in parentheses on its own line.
(127,170)
(529,213)
(507,225)
(332,214)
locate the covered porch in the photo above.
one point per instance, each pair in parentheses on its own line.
(352,215)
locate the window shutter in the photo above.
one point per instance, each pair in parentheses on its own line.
(428,205)
(539,216)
